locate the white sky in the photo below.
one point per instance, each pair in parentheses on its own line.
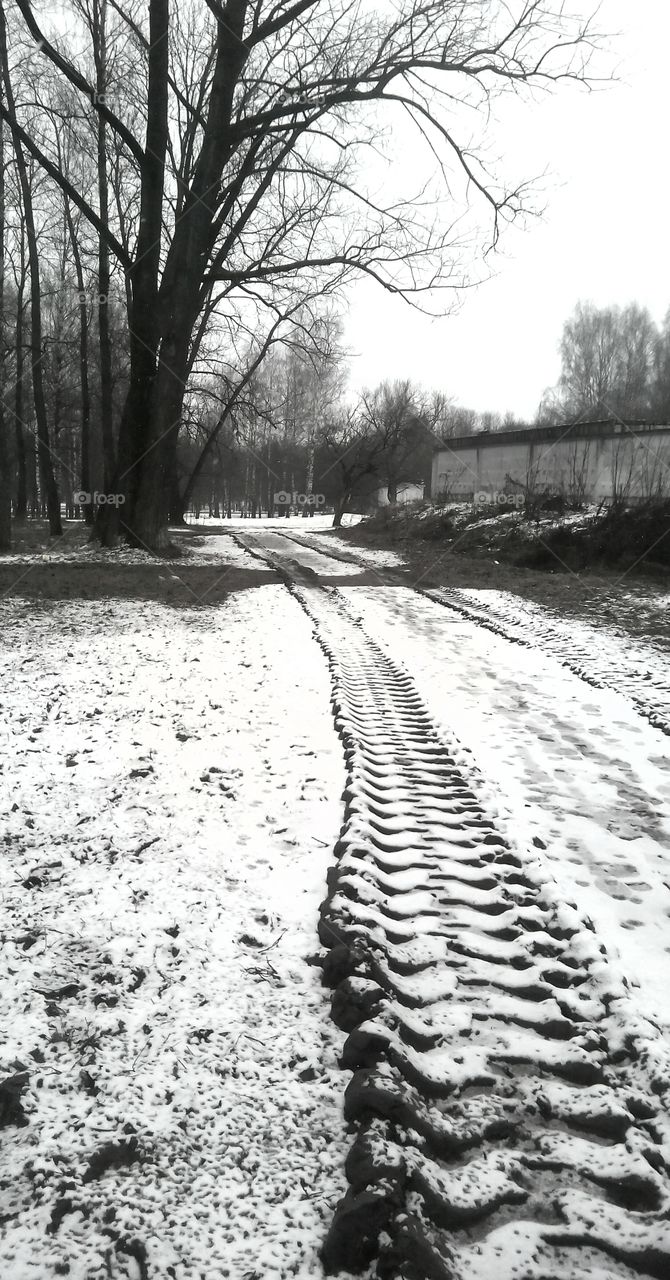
(604,235)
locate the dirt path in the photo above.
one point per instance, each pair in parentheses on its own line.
(507,1093)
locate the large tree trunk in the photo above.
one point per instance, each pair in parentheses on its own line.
(99,33)
(148,517)
(163,322)
(340,508)
(135,454)
(47,478)
(55,378)
(49,491)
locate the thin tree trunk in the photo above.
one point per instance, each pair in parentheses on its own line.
(195,474)
(308,509)
(47,477)
(31,459)
(178,504)
(55,375)
(85,391)
(21,504)
(73,461)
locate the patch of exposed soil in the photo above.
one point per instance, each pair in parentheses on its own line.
(179,585)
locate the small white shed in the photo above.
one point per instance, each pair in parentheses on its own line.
(407,491)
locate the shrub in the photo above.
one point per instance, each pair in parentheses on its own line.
(619,537)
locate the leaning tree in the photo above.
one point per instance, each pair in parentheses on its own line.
(275,131)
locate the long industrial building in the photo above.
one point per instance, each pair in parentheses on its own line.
(593,461)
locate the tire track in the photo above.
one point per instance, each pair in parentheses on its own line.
(621,673)
(650,697)
(507,1106)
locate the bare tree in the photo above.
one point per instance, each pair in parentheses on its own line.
(351,457)
(20,267)
(661,394)
(394,413)
(589,357)
(608,358)
(84,382)
(96,17)
(639,336)
(47,477)
(272,185)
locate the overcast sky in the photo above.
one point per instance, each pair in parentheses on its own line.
(604,236)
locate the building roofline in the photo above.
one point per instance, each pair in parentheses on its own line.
(567,431)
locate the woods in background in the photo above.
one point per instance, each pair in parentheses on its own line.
(187,186)
(615,363)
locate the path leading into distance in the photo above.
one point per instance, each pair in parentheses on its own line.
(499,949)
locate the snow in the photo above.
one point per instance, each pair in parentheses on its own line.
(331,541)
(295,522)
(572,776)
(221,550)
(172,804)
(171,797)
(605,653)
(554,761)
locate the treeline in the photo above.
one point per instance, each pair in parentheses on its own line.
(260,420)
(83,377)
(185,188)
(615,363)
(295,431)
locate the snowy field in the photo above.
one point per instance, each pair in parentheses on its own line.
(170,800)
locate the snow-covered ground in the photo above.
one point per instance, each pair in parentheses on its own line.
(492,797)
(311,523)
(332,542)
(171,797)
(61,549)
(571,769)
(559,765)
(172,788)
